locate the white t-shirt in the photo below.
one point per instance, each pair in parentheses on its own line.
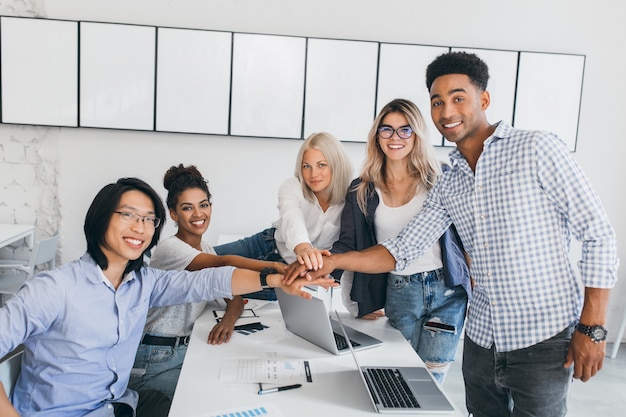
(177,320)
(302,220)
(389,221)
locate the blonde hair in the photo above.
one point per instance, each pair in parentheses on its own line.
(338,161)
(422,163)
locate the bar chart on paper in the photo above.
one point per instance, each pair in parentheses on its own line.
(265,410)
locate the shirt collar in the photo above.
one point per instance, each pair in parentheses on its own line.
(94,273)
(503,130)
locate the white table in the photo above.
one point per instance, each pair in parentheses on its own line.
(11,233)
(336,389)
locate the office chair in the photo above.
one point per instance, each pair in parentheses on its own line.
(10,367)
(44,252)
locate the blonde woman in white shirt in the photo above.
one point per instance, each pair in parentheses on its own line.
(309,205)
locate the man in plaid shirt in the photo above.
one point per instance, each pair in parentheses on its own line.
(515,197)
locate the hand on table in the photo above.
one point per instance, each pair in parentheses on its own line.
(374,315)
(221,333)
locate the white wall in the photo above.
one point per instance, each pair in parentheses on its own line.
(244,174)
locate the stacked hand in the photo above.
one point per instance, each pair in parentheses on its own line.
(294,285)
(309,256)
(301,270)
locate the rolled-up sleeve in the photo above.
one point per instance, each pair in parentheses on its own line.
(571,192)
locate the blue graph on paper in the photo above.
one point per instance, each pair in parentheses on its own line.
(254,412)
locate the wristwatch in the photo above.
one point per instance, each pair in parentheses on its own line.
(263,277)
(596,333)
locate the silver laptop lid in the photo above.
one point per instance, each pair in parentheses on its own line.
(310,320)
(427,392)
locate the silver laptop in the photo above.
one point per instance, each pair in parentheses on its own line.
(310,320)
(403,389)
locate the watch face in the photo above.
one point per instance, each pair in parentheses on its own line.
(598,333)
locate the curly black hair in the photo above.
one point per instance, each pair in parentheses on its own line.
(180,178)
(459,63)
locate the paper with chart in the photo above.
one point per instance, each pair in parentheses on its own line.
(247,316)
(268,368)
(257,410)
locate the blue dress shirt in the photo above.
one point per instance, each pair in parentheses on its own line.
(81,335)
(515,215)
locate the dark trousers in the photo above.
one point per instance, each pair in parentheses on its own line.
(529,382)
(151,404)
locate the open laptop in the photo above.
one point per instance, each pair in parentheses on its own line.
(402,389)
(310,320)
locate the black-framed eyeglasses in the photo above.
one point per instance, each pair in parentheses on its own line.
(133,218)
(403,132)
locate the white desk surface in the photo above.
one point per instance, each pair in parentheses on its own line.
(336,389)
(11,233)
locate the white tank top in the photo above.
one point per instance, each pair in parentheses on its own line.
(389,221)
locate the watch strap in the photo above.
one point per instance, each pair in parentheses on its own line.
(263,276)
(596,333)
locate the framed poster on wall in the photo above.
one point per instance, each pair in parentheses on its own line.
(117,67)
(193,81)
(39,71)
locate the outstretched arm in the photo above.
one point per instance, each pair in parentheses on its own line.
(373,260)
(208,260)
(246,281)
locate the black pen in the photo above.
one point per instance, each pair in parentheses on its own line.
(277,389)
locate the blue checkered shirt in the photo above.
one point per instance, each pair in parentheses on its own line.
(515,215)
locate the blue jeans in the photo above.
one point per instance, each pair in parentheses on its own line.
(162,365)
(416,303)
(524,382)
(261,246)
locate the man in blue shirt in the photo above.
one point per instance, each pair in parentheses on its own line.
(515,197)
(81,323)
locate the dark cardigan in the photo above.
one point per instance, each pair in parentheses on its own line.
(358,233)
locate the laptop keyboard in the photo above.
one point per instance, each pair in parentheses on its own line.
(341,343)
(390,387)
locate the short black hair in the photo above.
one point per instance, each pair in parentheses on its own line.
(101,210)
(459,63)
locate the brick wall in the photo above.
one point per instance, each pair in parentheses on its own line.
(28,181)
(28,164)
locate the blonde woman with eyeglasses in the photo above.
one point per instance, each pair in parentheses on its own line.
(427,300)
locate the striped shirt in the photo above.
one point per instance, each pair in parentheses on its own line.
(515,215)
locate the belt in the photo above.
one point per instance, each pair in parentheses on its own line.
(165,341)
